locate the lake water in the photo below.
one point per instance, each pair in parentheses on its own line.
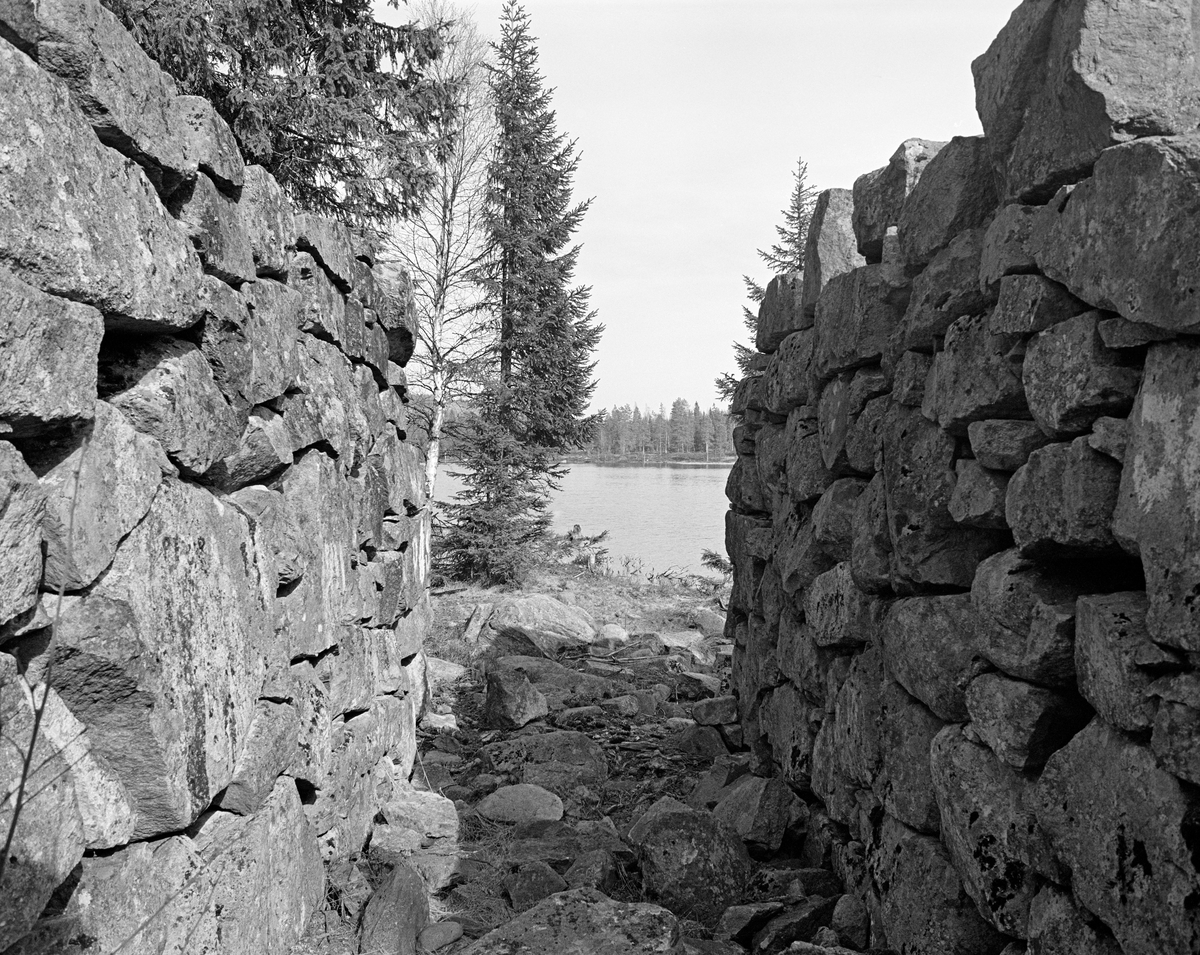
(662,516)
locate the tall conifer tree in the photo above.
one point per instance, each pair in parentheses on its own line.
(534,407)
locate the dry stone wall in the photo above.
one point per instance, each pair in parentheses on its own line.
(965,515)
(203,448)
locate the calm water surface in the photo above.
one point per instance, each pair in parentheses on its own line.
(663,516)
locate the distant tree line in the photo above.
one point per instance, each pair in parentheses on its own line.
(686,431)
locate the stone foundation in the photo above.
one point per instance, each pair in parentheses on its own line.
(965,516)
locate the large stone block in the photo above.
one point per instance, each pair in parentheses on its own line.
(48,840)
(322,408)
(213,222)
(978,498)
(1113,653)
(848,751)
(267,217)
(269,875)
(790,725)
(833,517)
(164,387)
(1004,445)
(48,353)
(1127,831)
(1122,241)
(123,93)
(928,547)
(208,143)
(838,613)
(945,291)
(799,558)
(1064,81)
(328,241)
(250,339)
(781,312)
(1057,925)
(831,246)
(1176,739)
(163,660)
(931,648)
(842,402)
(22,509)
(79,221)
(879,196)
(855,317)
(1033,303)
(1006,246)
(1021,723)
(264,449)
(1158,508)
(1027,614)
(744,488)
(1060,502)
(150,898)
(95,495)
(955,193)
(923,905)
(990,830)
(1071,378)
(787,376)
(904,783)
(871,549)
(977,376)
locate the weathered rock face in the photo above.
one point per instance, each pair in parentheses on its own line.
(1005,399)
(232,690)
(1064,81)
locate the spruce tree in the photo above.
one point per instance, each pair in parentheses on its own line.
(534,405)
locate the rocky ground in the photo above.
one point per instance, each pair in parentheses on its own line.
(581,786)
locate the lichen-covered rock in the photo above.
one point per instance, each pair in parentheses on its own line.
(1064,81)
(48,353)
(263,450)
(798,557)
(178,625)
(976,376)
(537,625)
(923,906)
(1061,501)
(584,921)
(165,389)
(512,700)
(781,312)
(955,193)
(840,614)
(22,508)
(1005,445)
(77,220)
(1056,924)
(1126,830)
(989,828)
(691,863)
(1071,378)
(330,243)
(268,751)
(1121,241)
(1158,508)
(1021,723)
(831,247)
(209,145)
(121,91)
(149,897)
(322,407)
(871,549)
(744,488)
(807,475)
(930,645)
(879,196)
(95,495)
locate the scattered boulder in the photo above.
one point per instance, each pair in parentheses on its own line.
(395,916)
(760,811)
(512,700)
(521,803)
(531,883)
(536,625)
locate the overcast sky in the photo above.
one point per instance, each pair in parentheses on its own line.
(690,116)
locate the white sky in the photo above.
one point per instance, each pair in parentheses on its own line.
(690,115)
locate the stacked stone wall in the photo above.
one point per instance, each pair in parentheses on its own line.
(203,448)
(965,515)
